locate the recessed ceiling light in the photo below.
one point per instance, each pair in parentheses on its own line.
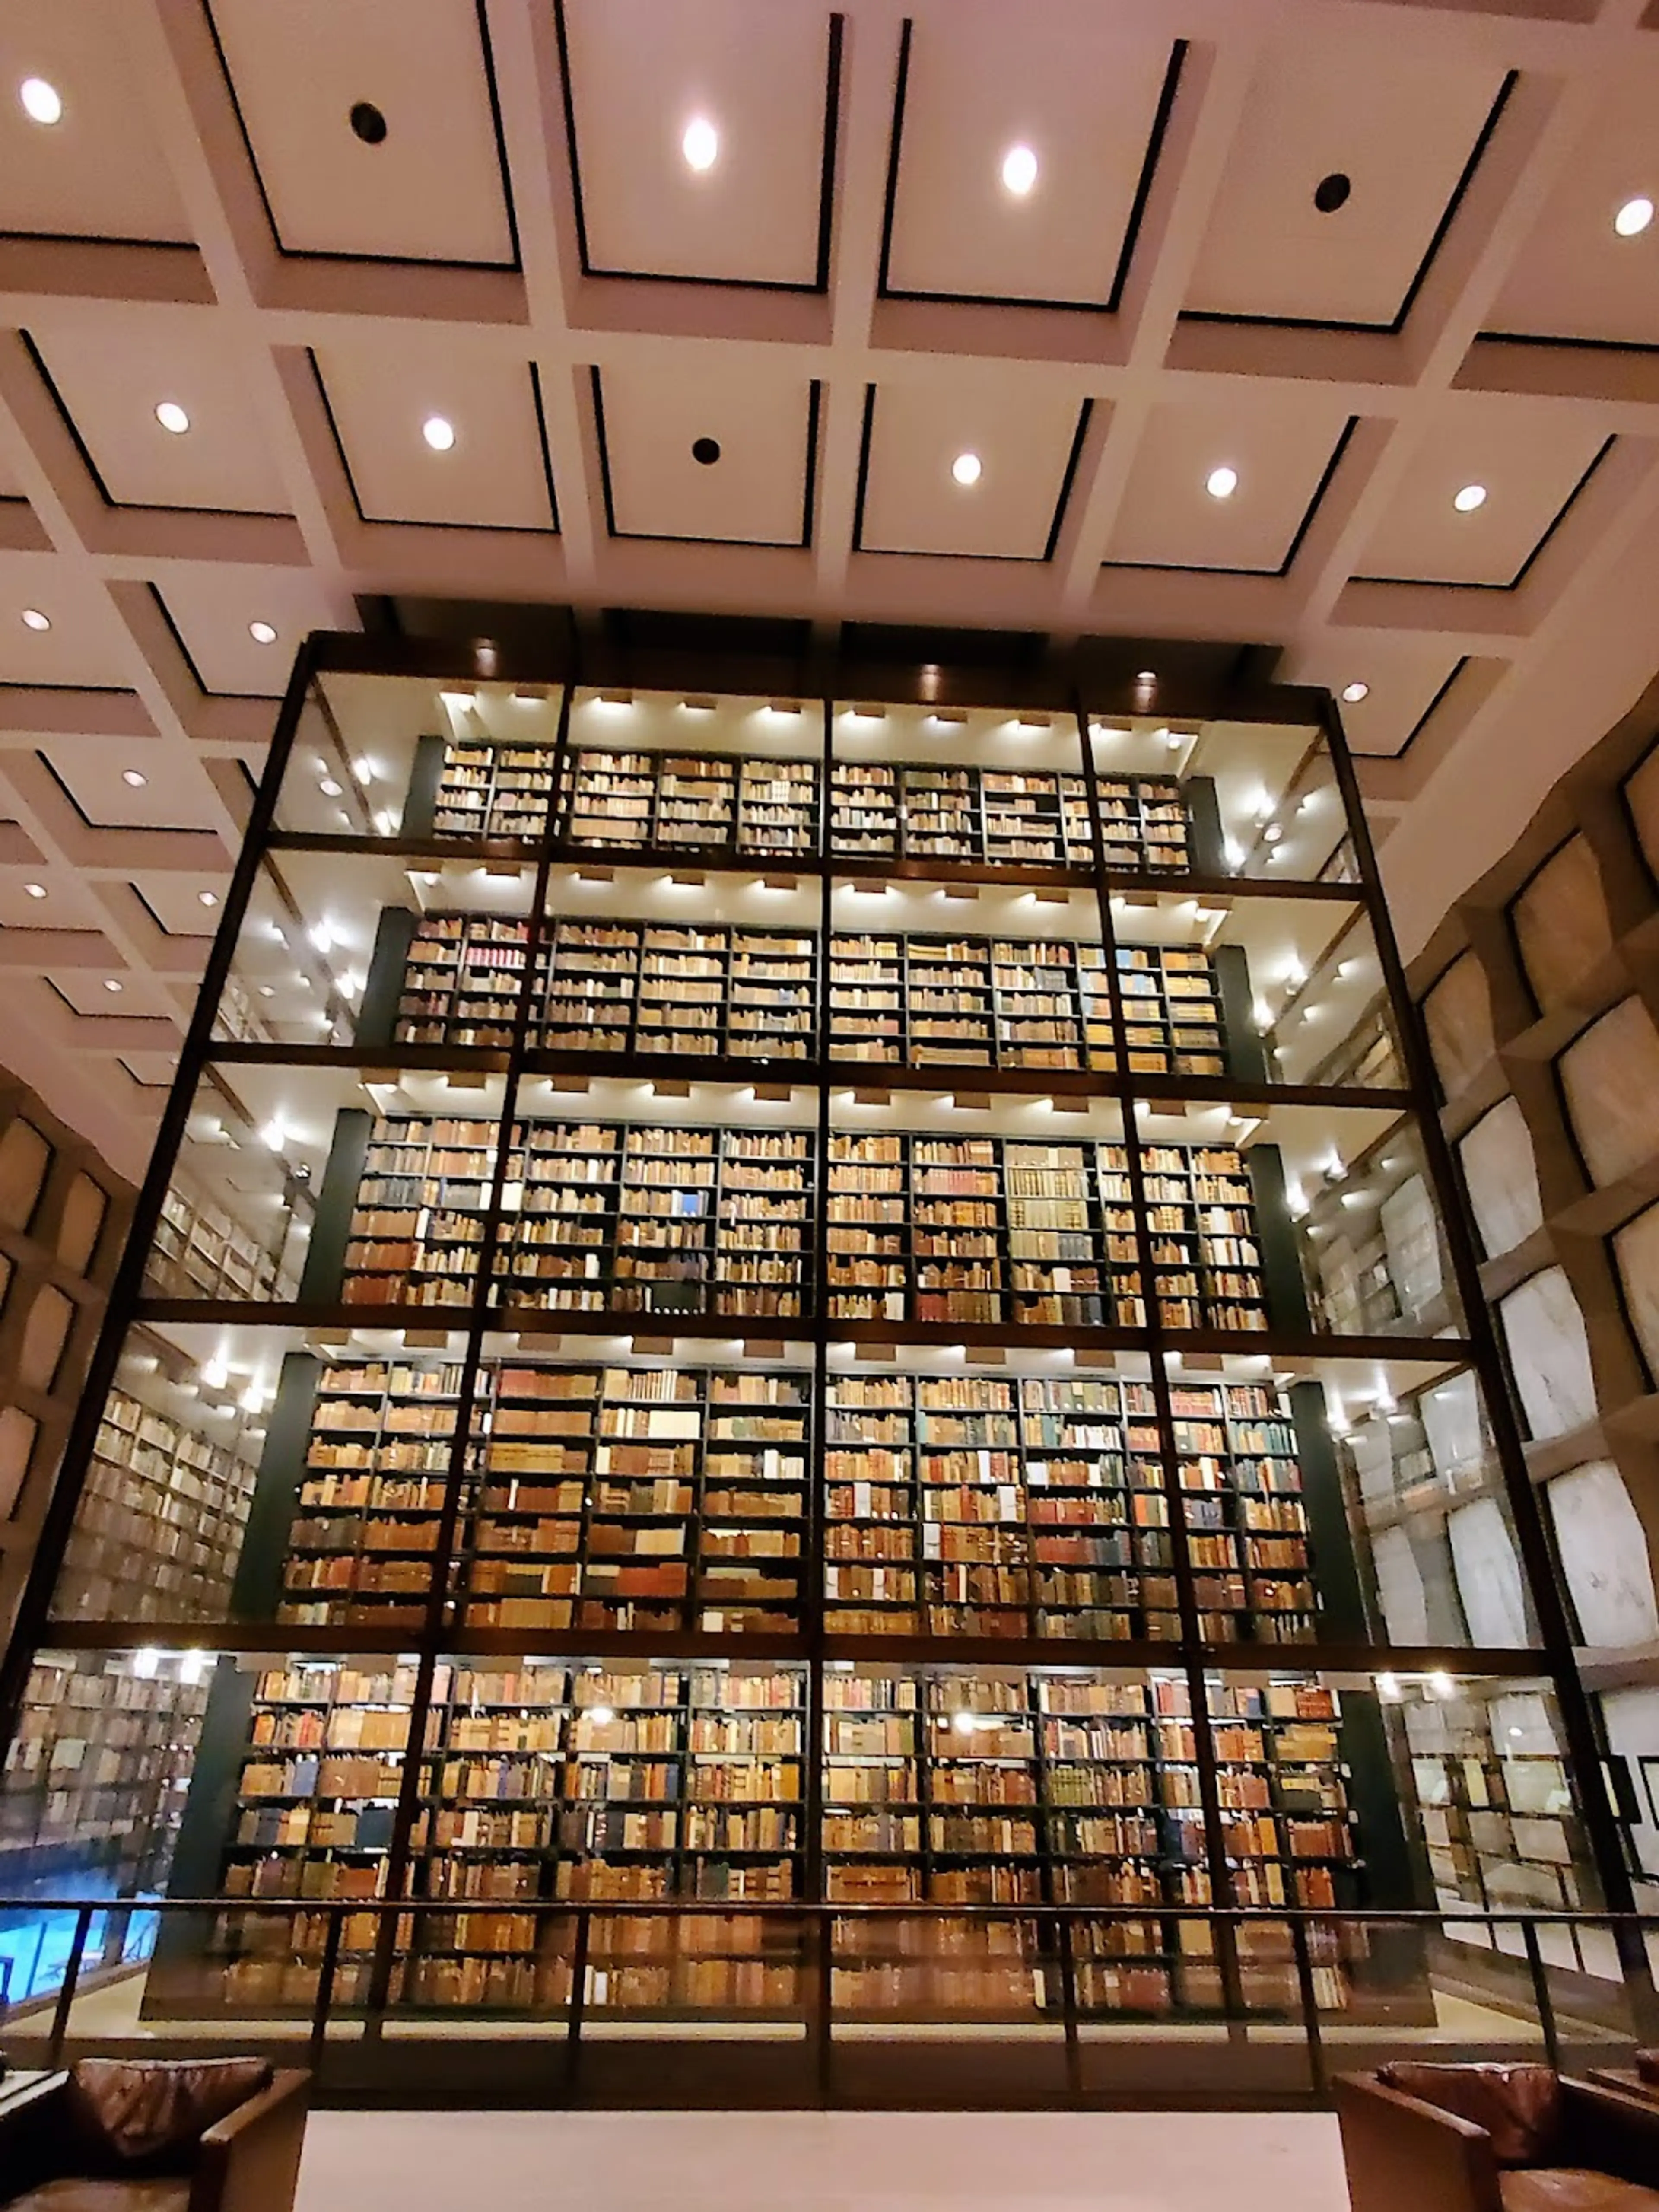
(1147,676)
(1222,483)
(1353,693)
(1019,170)
(208,898)
(133,776)
(367,122)
(110,983)
(966,468)
(262,632)
(1634,218)
(700,144)
(35,890)
(267,990)
(172,417)
(439,432)
(1469,498)
(329,788)
(40,100)
(34,619)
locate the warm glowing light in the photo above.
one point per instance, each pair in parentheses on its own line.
(1634,218)
(1019,170)
(172,417)
(41,103)
(700,144)
(439,432)
(1221,483)
(1469,498)
(966,468)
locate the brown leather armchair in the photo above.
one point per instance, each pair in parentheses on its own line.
(190,2135)
(1426,2138)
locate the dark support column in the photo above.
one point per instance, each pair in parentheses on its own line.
(1209,846)
(377,1017)
(1281,1263)
(257,1589)
(1246,1055)
(421,804)
(1341,1606)
(1398,1963)
(181,1942)
(331,1231)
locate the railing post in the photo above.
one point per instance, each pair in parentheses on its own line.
(1310,2027)
(573,2046)
(325,1973)
(1068,2012)
(1540,1990)
(60,2016)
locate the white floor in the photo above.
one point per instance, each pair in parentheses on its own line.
(426,2162)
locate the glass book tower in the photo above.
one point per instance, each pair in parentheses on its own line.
(756,1300)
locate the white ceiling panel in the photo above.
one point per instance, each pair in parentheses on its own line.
(640,73)
(1084,99)
(212,607)
(1399,124)
(1024,439)
(176,900)
(175,793)
(1404,676)
(70,901)
(100,171)
(708,450)
(1279,442)
(303,73)
(84,989)
(85,643)
(1530,459)
(1576,276)
(381,391)
(167,355)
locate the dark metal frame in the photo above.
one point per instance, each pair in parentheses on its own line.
(1104,675)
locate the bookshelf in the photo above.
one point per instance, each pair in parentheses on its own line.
(699,803)
(627,986)
(795,1399)
(931,810)
(201,1250)
(160,1521)
(492,789)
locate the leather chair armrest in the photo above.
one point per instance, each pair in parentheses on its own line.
(1400,2151)
(1611,2129)
(30,2133)
(249,2161)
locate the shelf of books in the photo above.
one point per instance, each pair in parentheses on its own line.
(808,1443)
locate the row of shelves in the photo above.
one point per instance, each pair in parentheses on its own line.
(710,803)
(634,987)
(666,1220)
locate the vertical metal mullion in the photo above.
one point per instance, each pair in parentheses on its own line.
(127,1288)
(1180,1557)
(432,1634)
(1578,1720)
(817,1960)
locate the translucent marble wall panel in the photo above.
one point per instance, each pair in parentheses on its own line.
(1488,1569)
(1604,1555)
(1636,1256)
(1502,1177)
(1561,922)
(1549,1353)
(1458,1014)
(1610,1080)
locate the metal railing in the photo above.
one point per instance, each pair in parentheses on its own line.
(347,1980)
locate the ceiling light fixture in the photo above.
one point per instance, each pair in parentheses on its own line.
(700,144)
(35,890)
(1222,483)
(329,788)
(41,103)
(135,777)
(966,468)
(1353,693)
(262,632)
(208,898)
(110,983)
(1469,498)
(439,432)
(172,417)
(1634,218)
(34,619)
(1019,170)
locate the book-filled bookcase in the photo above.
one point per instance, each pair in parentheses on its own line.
(830,1282)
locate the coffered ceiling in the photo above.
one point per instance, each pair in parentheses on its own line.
(715,295)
